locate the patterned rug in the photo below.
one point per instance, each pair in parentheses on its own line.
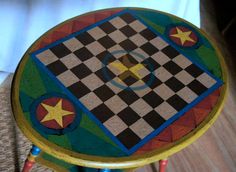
(14,147)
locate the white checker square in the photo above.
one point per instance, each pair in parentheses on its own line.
(138,39)
(117,67)
(164,91)
(93,64)
(118,102)
(118,22)
(162,74)
(96,33)
(165,110)
(141,92)
(117,48)
(47,57)
(70,60)
(137,26)
(182,61)
(73,44)
(95,48)
(184,77)
(206,80)
(159,43)
(117,36)
(141,128)
(92,81)
(161,58)
(140,72)
(187,94)
(68,78)
(115,125)
(113,87)
(90,101)
(141,107)
(139,54)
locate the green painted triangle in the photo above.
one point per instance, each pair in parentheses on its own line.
(89,125)
(61,140)
(31,82)
(86,142)
(25,101)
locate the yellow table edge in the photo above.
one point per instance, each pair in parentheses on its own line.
(123,162)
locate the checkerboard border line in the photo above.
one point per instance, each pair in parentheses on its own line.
(155,132)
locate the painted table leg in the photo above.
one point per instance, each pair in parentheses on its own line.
(29,162)
(162,165)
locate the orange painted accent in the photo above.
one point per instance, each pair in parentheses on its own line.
(27,166)
(72,26)
(184,125)
(162,165)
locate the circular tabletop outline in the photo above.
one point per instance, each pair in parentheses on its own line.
(132,161)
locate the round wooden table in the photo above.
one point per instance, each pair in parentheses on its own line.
(116,89)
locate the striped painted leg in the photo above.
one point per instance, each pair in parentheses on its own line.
(162,165)
(29,162)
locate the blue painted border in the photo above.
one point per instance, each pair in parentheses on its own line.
(167,123)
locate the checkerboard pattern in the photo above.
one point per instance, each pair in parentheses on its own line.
(86,65)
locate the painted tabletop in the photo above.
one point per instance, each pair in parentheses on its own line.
(118,88)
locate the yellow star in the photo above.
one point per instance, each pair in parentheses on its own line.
(134,70)
(55,112)
(183,36)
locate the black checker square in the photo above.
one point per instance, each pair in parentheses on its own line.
(105,74)
(79,89)
(172,67)
(152,81)
(81,71)
(102,112)
(149,48)
(107,27)
(128,60)
(174,84)
(60,50)
(128,138)
(104,93)
(128,116)
(128,96)
(83,54)
(129,108)
(85,38)
(128,45)
(106,42)
(128,31)
(170,52)
(128,77)
(177,102)
(150,64)
(106,57)
(148,34)
(128,18)
(154,119)
(194,70)
(197,87)
(57,67)
(153,99)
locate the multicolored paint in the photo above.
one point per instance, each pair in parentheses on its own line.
(72,130)
(34,152)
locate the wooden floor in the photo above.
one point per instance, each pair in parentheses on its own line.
(215,151)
